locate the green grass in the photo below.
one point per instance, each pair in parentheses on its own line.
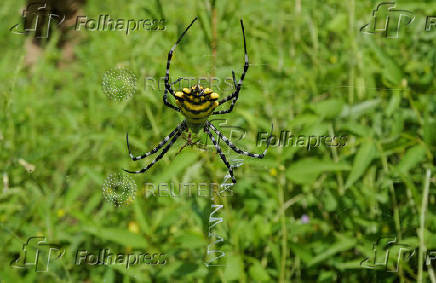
(312,72)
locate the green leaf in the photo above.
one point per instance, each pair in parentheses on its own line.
(258,272)
(357,129)
(357,110)
(140,217)
(307,170)
(429,129)
(361,161)
(394,103)
(356,264)
(389,68)
(118,235)
(329,108)
(317,129)
(329,200)
(302,251)
(234,268)
(191,240)
(338,23)
(343,243)
(411,158)
(304,119)
(178,164)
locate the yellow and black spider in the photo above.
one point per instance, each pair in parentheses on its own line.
(197,104)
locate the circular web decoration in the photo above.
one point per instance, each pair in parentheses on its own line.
(119,189)
(119,84)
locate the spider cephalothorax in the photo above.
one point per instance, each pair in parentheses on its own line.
(197,104)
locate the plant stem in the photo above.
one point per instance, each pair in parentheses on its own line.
(422,224)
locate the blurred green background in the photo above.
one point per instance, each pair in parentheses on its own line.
(295,216)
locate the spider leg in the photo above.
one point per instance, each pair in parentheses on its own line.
(235,148)
(170,56)
(233,101)
(218,149)
(234,79)
(167,103)
(176,81)
(178,129)
(188,142)
(182,148)
(228,110)
(165,97)
(164,151)
(235,94)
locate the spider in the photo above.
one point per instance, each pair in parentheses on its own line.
(197,104)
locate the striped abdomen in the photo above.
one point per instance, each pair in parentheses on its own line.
(196,104)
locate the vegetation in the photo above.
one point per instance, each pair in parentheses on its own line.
(296,216)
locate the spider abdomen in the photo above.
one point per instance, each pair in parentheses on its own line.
(196,104)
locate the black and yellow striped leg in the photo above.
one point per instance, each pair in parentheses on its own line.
(234,99)
(235,94)
(170,56)
(164,151)
(167,103)
(235,148)
(165,97)
(176,81)
(179,128)
(228,110)
(218,149)
(234,79)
